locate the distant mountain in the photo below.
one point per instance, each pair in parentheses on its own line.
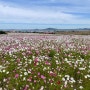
(50,29)
(45,30)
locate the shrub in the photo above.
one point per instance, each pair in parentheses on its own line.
(3,32)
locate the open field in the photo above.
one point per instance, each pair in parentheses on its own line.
(74,32)
(31,61)
(50,31)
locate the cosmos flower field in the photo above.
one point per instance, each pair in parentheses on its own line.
(44,62)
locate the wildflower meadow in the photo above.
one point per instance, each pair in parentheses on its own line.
(44,62)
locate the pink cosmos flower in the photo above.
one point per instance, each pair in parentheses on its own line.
(37,52)
(30,52)
(52,74)
(26,87)
(16,75)
(51,81)
(78,72)
(18,60)
(47,63)
(35,81)
(29,79)
(38,73)
(43,77)
(35,61)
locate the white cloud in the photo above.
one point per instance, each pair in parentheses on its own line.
(7,12)
(36,15)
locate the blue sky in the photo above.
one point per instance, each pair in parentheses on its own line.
(45,11)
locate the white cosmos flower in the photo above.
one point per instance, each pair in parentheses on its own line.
(25,73)
(81,68)
(1,67)
(67,76)
(42,87)
(14,89)
(7,72)
(63,79)
(24,78)
(20,75)
(87,76)
(81,87)
(66,59)
(1,89)
(4,70)
(4,80)
(44,68)
(65,84)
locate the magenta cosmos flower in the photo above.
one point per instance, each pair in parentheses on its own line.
(16,75)
(43,77)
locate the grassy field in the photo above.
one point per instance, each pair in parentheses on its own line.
(44,62)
